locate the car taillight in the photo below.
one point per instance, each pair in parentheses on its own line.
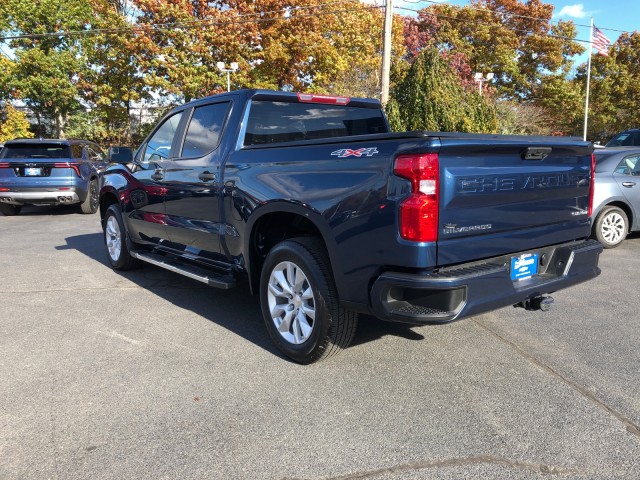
(592,184)
(4,164)
(75,166)
(419,211)
(331,100)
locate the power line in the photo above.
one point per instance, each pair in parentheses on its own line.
(288,12)
(475,22)
(510,14)
(5,53)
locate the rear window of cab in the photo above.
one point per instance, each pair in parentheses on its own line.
(275,122)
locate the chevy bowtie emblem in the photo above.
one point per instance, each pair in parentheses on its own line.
(347,152)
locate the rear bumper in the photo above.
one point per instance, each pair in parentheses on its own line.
(50,196)
(473,288)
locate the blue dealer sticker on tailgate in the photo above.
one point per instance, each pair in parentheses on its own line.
(524,266)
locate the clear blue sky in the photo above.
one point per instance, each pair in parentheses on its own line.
(610,16)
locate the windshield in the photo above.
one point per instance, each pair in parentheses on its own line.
(625,139)
(41,150)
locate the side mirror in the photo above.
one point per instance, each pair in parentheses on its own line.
(120,155)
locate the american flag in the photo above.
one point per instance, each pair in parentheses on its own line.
(600,42)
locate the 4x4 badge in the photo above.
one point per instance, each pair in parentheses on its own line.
(347,152)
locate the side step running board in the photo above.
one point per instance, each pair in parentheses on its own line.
(224,282)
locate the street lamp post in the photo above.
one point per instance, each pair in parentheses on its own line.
(479,78)
(223,68)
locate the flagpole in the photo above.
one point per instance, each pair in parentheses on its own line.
(586,105)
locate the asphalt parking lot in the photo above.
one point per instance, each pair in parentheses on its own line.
(151,375)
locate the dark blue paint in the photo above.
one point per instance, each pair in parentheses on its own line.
(353,203)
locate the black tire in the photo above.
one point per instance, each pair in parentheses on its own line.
(10,210)
(116,241)
(301,337)
(611,227)
(92,202)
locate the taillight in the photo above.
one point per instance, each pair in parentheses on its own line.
(75,166)
(331,100)
(419,211)
(592,184)
(4,164)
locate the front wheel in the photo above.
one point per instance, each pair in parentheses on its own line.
(116,241)
(299,302)
(611,227)
(10,210)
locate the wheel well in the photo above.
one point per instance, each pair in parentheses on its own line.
(622,206)
(272,229)
(105,202)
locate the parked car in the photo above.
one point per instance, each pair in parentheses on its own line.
(314,205)
(628,138)
(50,172)
(616,204)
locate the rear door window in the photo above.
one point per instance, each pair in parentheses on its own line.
(76,151)
(272,122)
(205,127)
(629,165)
(93,153)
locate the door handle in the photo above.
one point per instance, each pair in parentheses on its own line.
(628,184)
(157,175)
(207,176)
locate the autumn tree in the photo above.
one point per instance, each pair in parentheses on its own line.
(430,97)
(317,46)
(560,101)
(514,39)
(47,66)
(113,81)
(614,93)
(353,40)
(524,118)
(13,124)
(179,43)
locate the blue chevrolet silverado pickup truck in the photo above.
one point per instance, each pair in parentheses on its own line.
(312,202)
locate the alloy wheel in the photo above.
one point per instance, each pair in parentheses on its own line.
(291,302)
(113,238)
(613,228)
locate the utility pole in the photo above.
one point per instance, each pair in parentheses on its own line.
(586,102)
(386,52)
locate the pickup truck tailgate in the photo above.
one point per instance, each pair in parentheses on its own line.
(501,195)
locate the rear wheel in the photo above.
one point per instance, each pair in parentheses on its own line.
(91,203)
(611,227)
(299,302)
(10,210)
(116,241)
